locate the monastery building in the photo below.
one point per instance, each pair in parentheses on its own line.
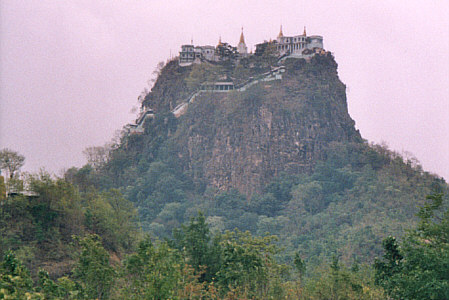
(298,46)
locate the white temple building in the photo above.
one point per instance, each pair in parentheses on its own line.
(295,45)
(194,54)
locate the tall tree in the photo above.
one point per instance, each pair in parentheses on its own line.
(202,253)
(11,161)
(97,156)
(93,271)
(154,272)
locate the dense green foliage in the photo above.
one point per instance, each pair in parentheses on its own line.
(201,260)
(237,265)
(233,265)
(39,226)
(356,196)
(93,271)
(419,267)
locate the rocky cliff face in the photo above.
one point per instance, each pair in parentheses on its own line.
(243,139)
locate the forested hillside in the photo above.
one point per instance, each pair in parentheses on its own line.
(267,193)
(282,157)
(197,262)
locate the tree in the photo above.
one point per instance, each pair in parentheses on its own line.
(98,156)
(15,279)
(113,217)
(64,288)
(93,271)
(202,253)
(300,265)
(333,280)
(307,197)
(154,272)
(226,51)
(266,53)
(248,265)
(56,211)
(2,189)
(241,73)
(270,55)
(11,161)
(418,269)
(203,73)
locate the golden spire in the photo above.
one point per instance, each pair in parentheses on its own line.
(304,33)
(242,38)
(219,41)
(280,33)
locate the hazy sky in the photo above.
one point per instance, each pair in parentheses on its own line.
(71,71)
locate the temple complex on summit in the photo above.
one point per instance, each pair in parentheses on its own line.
(296,46)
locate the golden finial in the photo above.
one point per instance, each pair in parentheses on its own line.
(242,38)
(219,41)
(304,33)
(280,33)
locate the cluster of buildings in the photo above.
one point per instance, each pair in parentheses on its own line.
(300,46)
(190,54)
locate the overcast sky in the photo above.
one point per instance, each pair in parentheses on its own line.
(71,71)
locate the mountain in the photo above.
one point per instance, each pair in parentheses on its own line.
(243,139)
(265,146)
(250,180)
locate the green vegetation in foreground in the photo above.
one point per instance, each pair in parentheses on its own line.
(94,235)
(418,268)
(199,264)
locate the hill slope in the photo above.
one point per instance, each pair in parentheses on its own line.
(282,157)
(243,139)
